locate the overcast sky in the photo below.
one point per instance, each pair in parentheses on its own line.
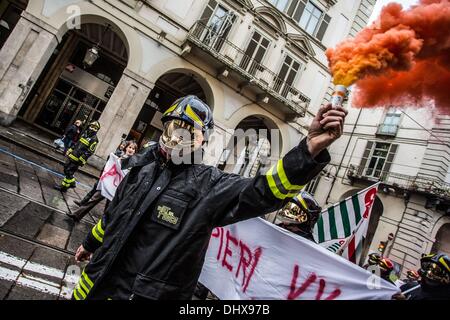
(381,3)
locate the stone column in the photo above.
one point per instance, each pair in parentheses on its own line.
(22,59)
(120,113)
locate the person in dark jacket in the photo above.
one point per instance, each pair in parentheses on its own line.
(88,204)
(120,152)
(72,135)
(78,156)
(300,215)
(152,240)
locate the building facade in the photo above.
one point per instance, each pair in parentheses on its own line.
(407,151)
(258,64)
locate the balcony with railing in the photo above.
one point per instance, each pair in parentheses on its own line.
(419,184)
(389,130)
(233,63)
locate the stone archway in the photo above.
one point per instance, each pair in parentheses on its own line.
(442,242)
(255,145)
(68,89)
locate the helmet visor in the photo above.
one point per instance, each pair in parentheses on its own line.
(180,135)
(292,213)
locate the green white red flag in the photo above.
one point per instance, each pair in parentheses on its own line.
(342,227)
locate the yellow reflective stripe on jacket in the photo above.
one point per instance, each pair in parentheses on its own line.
(92,147)
(279,184)
(71,156)
(83,285)
(191,114)
(75,294)
(96,231)
(84,141)
(284,179)
(80,291)
(99,228)
(82,160)
(86,278)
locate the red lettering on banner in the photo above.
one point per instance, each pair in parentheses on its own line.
(218,232)
(228,251)
(248,260)
(257,255)
(296,292)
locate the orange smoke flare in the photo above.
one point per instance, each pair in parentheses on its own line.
(403,58)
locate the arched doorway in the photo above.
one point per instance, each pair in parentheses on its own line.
(253,147)
(377,212)
(442,243)
(10,12)
(69,89)
(168,88)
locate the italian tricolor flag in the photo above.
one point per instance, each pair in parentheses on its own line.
(343,226)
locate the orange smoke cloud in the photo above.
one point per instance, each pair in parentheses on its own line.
(403,58)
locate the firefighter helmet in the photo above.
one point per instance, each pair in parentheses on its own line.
(435,267)
(303,208)
(191,110)
(94,126)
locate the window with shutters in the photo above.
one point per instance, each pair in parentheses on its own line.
(377,159)
(254,54)
(286,76)
(218,21)
(309,16)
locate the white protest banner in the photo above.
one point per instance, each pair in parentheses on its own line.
(111,177)
(255,259)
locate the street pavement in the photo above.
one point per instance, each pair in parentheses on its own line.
(37,239)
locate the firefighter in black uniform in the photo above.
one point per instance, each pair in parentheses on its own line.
(300,215)
(152,240)
(78,155)
(435,279)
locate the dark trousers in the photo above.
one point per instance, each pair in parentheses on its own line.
(88,205)
(90,194)
(70,168)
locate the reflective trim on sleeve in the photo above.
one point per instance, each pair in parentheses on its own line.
(75,294)
(86,278)
(279,184)
(98,232)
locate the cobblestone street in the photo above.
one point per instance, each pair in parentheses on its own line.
(37,239)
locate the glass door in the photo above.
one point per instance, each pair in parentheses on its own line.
(66,104)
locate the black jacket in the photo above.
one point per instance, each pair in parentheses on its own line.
(152,240)
(83,149)
(426,292)
(72,133)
